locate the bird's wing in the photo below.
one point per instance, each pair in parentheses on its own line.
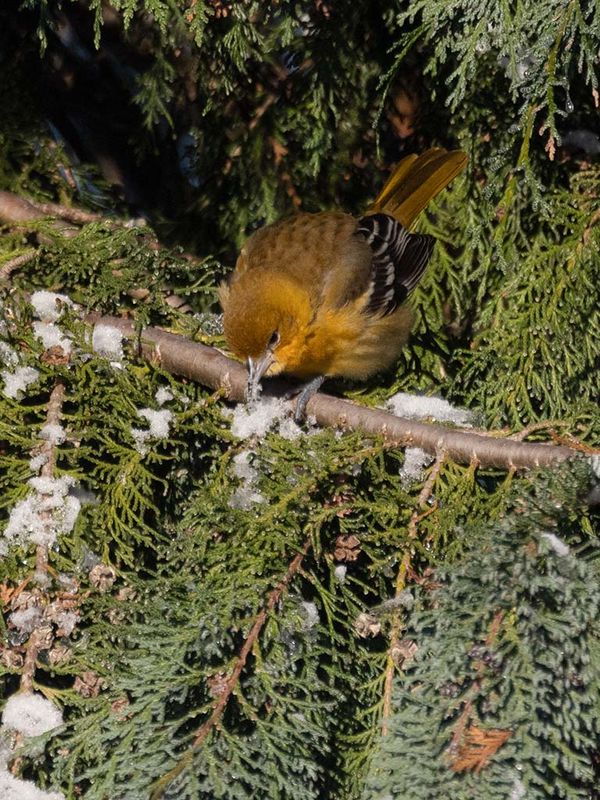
(399,258)
(415,181)
(398,262)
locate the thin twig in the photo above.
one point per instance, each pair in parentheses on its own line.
(36,640)
(210,367)
(424,496)
(69,213)
(231,683)
(48,449)
(13,264)
(570,441)
(463,720)
(544,425)
(14,208)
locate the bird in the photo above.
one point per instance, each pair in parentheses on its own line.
(319,295)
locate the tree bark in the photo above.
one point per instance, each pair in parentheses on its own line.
(210,367)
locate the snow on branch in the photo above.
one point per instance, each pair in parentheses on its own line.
(210,367)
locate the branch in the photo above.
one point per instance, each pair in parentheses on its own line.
(208,366)
(231,683)
(12,264)
(472,748)
(48,449)
(17,209)
(416,516)
(38,639)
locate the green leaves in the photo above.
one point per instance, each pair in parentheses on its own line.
(249,629)
(538,59)
(507,644)
(540,331)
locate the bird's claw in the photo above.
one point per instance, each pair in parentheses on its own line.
(306,392)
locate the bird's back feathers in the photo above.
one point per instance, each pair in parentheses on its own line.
(319,251)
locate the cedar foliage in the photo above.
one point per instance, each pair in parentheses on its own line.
(235,644)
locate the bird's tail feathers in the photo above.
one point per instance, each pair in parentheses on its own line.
(415,181)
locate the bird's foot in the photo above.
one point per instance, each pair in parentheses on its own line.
(305,392)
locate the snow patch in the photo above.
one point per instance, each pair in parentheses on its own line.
(415,461)
(26,620)
(107,341)
(31,714)
(421,407)
(18,381)
(52,336)
(8,356)
(258,419)
(12,788)
(55,434)
(163,395)
(559,547)
(159,422)
(246,494)
(45,513)
(37,462)
(66,621)
(48,305)
(311,613)
(340,573)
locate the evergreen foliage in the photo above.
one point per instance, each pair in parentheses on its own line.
(233,618)
(507,645)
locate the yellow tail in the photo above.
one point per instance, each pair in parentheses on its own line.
(415,181)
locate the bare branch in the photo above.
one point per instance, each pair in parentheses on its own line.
(17,209)
(210,367)
(461,726)
(68,213)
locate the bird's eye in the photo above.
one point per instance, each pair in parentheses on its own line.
(274,340)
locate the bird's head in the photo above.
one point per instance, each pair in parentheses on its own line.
(265,319)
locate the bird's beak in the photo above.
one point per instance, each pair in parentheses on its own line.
(256,370)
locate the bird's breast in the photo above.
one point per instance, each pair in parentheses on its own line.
(348,343)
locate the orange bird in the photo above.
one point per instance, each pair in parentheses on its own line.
(320,295)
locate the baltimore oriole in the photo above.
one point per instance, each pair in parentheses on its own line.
(319,295)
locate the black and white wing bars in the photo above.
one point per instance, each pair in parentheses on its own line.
(399,261)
